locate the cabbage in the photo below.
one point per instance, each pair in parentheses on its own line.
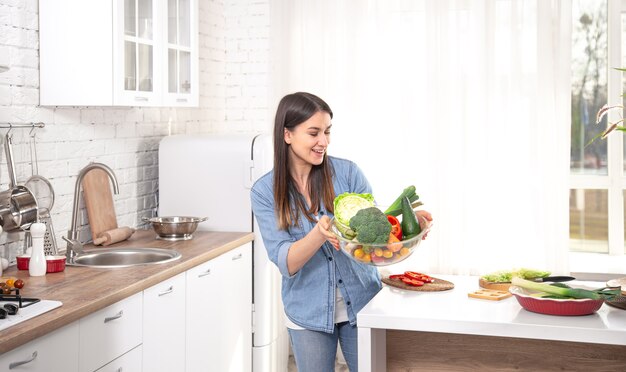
(347,204)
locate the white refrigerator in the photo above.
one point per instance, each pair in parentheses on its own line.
(210,175)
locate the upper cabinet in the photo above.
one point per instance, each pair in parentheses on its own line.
(119,53)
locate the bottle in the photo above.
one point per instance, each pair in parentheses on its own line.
(37,264)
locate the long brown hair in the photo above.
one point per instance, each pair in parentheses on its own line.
(293,110)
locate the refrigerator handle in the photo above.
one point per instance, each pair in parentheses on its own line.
(248,176)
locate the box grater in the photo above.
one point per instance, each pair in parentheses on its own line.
(49,239)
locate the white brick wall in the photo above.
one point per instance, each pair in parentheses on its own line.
(234,54)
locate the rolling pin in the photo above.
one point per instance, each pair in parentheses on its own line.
(114,236)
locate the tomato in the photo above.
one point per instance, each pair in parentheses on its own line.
(418,276)
(396,228)
(18,284)
(396,276)
(413,282)
(10,282)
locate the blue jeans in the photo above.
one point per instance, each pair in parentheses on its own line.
(316,351)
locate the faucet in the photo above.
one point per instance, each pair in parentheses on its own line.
(74,246)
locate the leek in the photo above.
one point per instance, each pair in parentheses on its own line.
(562,292)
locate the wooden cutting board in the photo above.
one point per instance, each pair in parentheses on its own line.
(437,285)
(99,202)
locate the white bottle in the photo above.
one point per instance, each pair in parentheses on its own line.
(37,263)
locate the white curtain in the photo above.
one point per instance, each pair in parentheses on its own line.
(467,100)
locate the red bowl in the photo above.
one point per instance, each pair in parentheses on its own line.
(55,264)
(553,306)
(22,262)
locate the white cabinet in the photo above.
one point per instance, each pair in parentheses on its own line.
(56,351)
(110,332)
(129,362)
(118,53)
(219,321)
(164,326)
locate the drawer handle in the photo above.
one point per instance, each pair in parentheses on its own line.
(117,316)
(237,257)
(141,99)
(169,290)
(17,364)
(207,272)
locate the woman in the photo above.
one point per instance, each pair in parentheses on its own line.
(322,289)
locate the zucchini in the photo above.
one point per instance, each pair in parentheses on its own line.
(410,224)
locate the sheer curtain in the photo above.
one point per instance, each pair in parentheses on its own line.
(467,100)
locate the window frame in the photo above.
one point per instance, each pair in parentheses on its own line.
(615,180)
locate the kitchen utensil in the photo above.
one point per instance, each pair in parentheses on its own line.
(435,286)
(490,294)
(114,236)
(37,263)
(554,306)
(174,227)
(99,202)
(18,206)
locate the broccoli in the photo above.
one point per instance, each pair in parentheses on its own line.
(371,226)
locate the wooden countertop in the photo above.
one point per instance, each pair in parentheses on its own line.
(84,290)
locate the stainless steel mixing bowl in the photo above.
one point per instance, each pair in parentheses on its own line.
(175,227)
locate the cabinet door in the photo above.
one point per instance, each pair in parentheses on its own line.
(219,301)
(137,50)
(56,351)
(164,326)
(129,362)
(110,332)
(181,53)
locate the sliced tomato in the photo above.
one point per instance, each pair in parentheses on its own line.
(396,277)
(419,276)
(413,282)
(396,228)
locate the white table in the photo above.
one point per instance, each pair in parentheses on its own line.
(453,311)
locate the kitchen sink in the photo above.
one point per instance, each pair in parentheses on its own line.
(124,257)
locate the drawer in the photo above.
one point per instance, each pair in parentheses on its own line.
(110,332)
(129,362)
(56,351)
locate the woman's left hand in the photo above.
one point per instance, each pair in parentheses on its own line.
(323,225)
(423,217)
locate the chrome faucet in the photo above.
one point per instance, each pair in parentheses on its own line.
(74,246)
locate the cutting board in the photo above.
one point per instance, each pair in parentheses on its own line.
(99,202)
(435,286)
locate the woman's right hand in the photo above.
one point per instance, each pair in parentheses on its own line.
(323,225)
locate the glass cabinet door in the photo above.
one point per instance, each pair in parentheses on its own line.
(179,46)
(138,46)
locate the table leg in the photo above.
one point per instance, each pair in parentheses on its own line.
(372,345)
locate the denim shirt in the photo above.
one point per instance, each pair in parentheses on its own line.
(309,294)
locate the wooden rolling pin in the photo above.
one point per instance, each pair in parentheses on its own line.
(114,236)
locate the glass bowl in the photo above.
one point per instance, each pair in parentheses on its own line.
(378,254)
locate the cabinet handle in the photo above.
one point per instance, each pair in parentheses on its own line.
(181,100)
(117,316)
(17,364)
(141,98)
(119,369)
(207,272)
(169,290)
(237,257)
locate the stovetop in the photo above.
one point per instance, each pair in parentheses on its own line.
(29,311)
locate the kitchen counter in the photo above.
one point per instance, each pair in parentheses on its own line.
(455,324)
(84,290)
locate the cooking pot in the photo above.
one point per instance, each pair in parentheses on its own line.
(175,227)
(18,205)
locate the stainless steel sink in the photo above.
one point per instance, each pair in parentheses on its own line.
(124,257)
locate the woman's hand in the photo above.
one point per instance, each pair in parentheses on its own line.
(423,217)
(323,225)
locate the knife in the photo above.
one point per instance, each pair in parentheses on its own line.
(554,279)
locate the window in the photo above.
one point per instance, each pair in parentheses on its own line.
(597,168)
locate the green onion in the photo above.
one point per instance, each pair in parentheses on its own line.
(596,294)
(395,209)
